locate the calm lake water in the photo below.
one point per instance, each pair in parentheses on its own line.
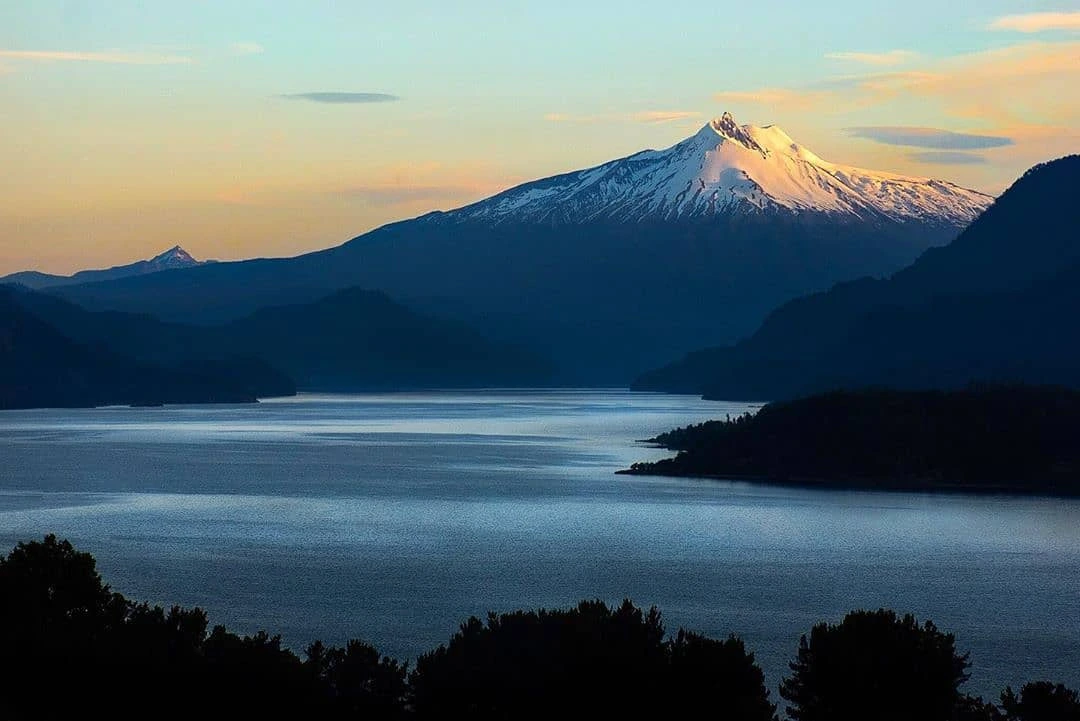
(394,517)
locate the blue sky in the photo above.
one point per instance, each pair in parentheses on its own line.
(135,126)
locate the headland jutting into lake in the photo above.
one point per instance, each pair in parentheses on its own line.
(990,439)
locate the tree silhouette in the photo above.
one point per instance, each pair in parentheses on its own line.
(358,682)
(70,647)
(875,665)
(54,610)
(67,642)
(589,660)
(719,678)
(972,708)
(50,588)
(1041,701)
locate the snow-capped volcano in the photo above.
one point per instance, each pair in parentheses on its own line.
(728,168)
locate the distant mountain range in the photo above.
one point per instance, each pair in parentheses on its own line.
(175,257)
(998,304)
(608,270)
(356,339)
(42,367)
(54,353)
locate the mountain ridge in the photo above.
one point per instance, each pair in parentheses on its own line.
(353,339)
(992,306)
(42,366)
(604,296)
(171,259)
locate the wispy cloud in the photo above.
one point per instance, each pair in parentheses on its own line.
(575,119)
(342,98)
(113,56)
(246,48)
(664,116)
(773,98)
(936,138)
(652,117)
(945,157)
(1025,83)
(401,194)
(375,194)
(891,57)
(405,186)
(427,185)
(1037,22)
(1023,92)
(880,84)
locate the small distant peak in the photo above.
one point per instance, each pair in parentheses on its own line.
(175,256)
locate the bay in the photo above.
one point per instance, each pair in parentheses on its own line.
(393,517)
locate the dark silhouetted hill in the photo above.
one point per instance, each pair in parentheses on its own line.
(350,340)
(42,367)
(1016,439)
(998,304)
(360,340)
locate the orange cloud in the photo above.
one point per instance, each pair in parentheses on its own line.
(1022,84)
(112,57)
(664,116)
(892,57)
(1037,22)
(774,98)
(383,194)
(419,187)
(577,119)
(237,195)
(1007,85)
(653,117)
(406,186)
(1025,92)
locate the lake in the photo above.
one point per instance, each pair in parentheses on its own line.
(393,517)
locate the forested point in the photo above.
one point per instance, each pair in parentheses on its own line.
(1003,439)
(72,648)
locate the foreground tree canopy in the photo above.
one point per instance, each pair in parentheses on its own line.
(867,666)
(587,660)
(70,647)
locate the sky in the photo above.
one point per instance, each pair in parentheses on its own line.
(249,129)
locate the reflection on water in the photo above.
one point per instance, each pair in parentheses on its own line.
(393,517)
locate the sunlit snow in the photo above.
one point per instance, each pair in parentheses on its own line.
(727,168)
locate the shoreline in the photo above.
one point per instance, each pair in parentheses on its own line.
(825,484)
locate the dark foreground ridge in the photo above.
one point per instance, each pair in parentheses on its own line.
(68,644)
(997,439)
